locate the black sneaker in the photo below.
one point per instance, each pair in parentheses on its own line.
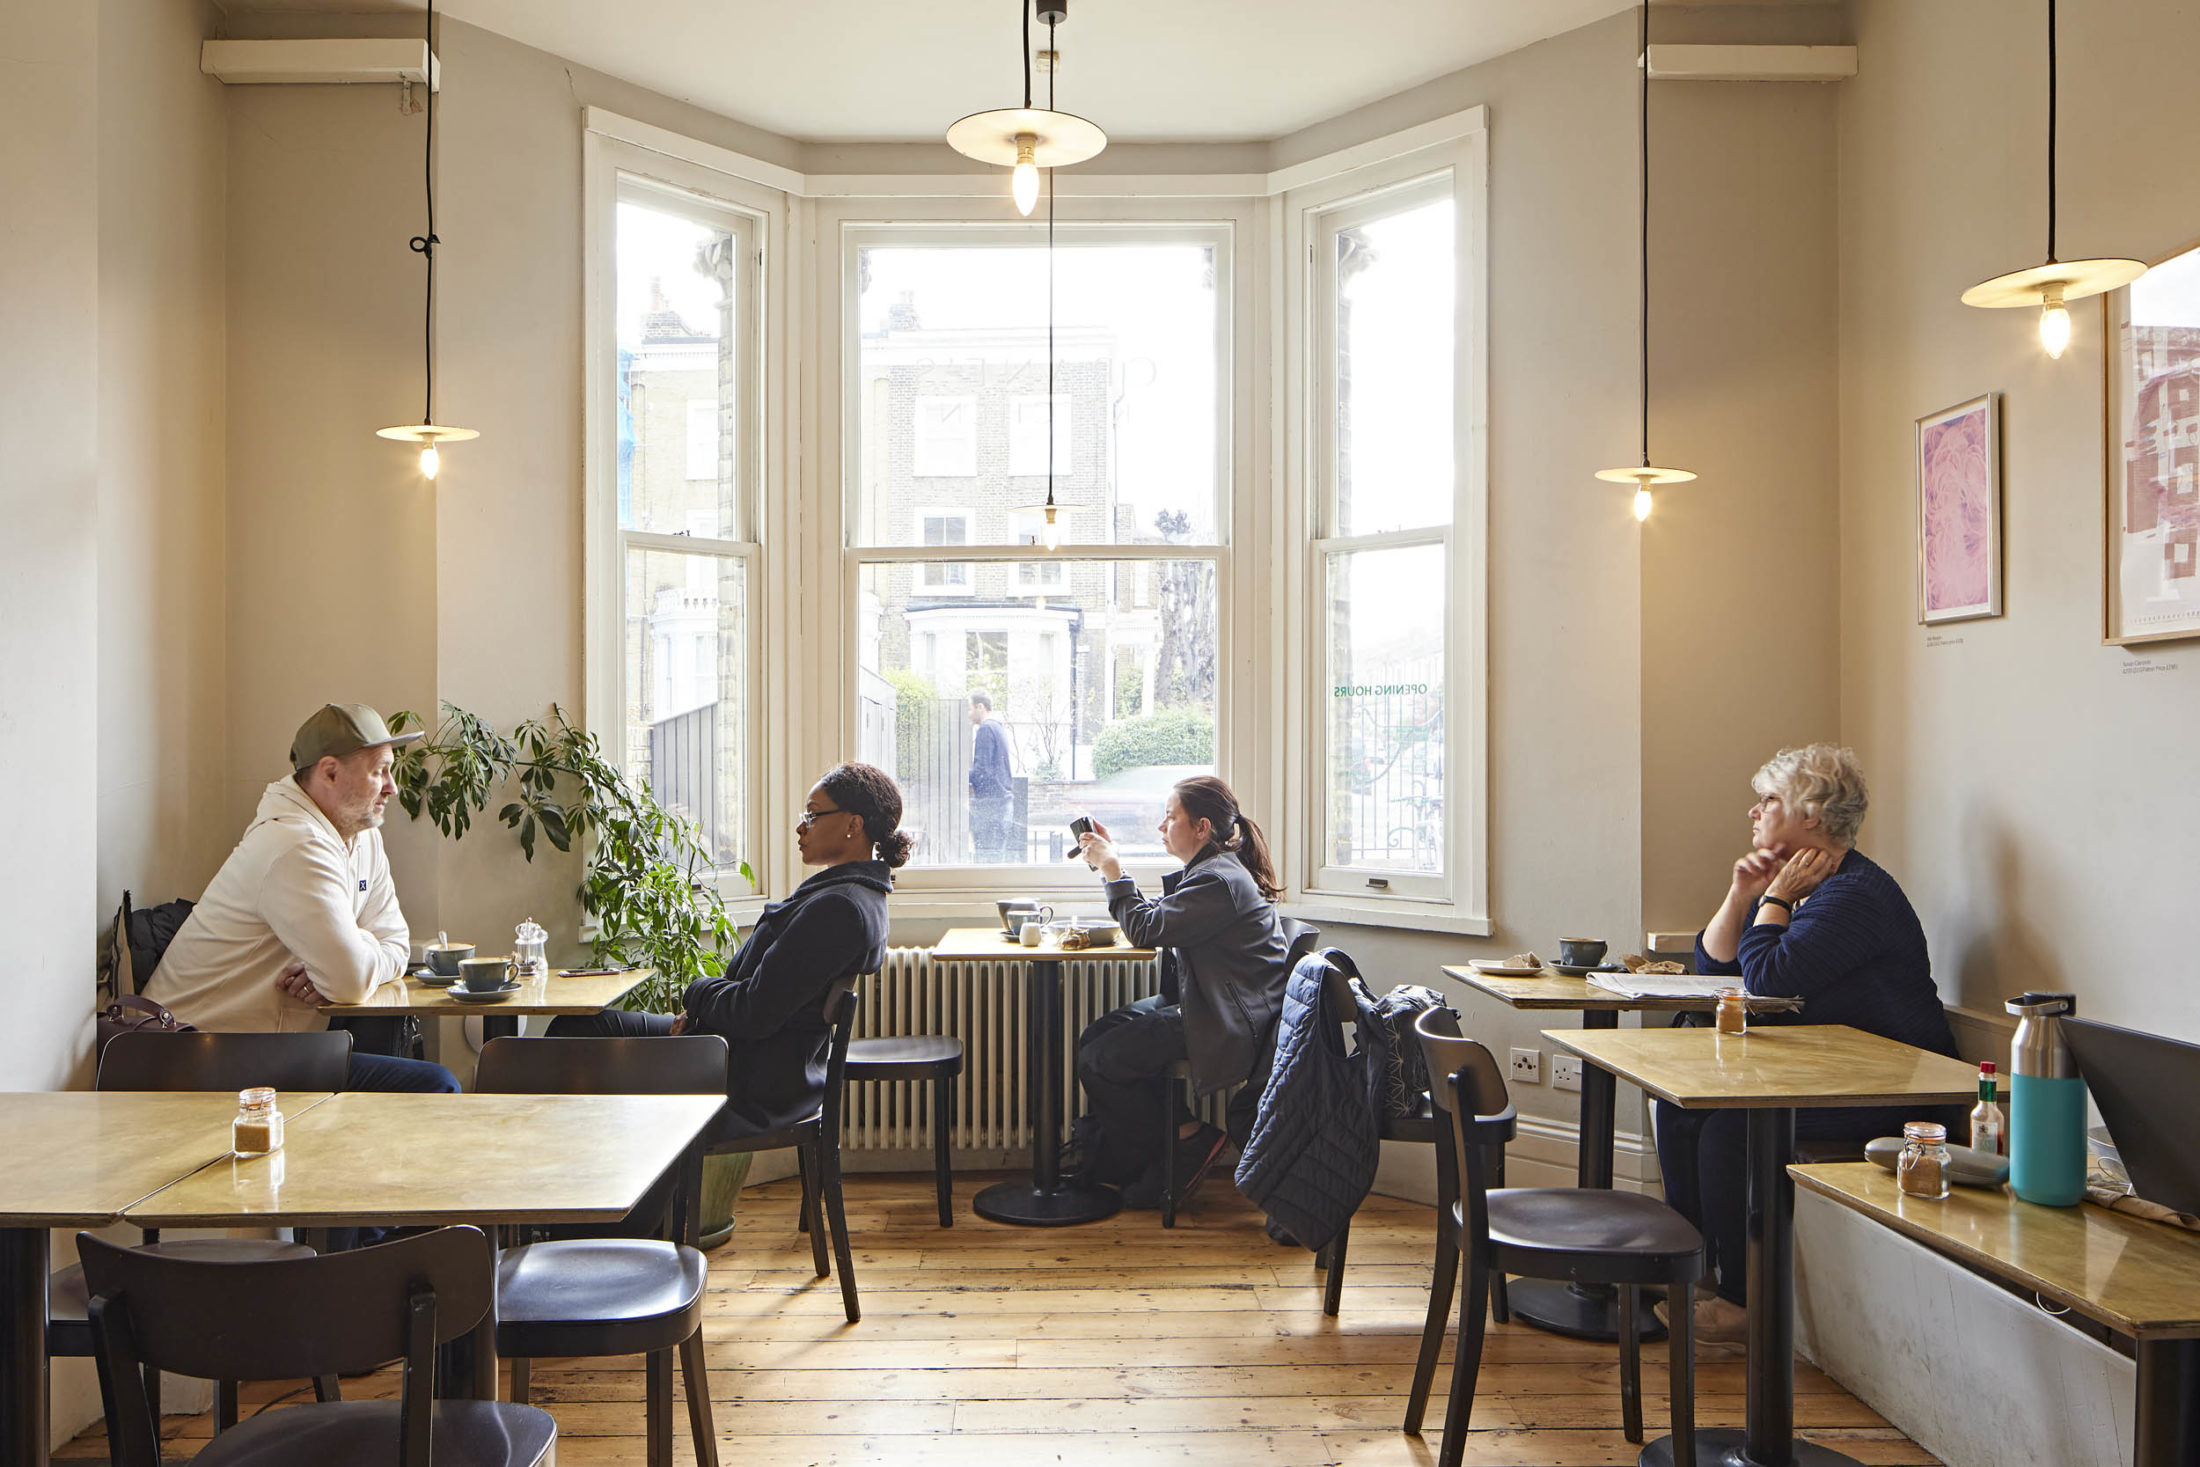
(1077,1151)
(1196,1156)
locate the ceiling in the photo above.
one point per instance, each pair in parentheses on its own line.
(1146,70)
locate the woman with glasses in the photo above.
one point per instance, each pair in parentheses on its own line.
(769,1004)
(1222,978)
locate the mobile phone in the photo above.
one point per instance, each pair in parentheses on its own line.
(1081,826)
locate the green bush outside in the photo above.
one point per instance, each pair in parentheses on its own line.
(1177,736)
(913,695)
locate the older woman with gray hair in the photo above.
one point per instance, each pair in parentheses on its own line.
(1807,916)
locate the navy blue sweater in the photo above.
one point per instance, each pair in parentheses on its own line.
(1854,952)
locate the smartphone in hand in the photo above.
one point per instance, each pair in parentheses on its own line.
(1080,828)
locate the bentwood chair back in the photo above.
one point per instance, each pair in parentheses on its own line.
(815,1141)
(1585,1235)
(347,1312)
(630,1288)
(291,1063)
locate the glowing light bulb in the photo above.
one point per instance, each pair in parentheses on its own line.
(1642,503)
(2054,323)
(1023,183)
(1051,536)
(430,462)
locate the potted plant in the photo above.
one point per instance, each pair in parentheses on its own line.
(648,884)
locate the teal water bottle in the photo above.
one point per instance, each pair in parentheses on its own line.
(2046,1104)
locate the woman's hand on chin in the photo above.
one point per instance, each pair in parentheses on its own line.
(1803,873)
(1754,873)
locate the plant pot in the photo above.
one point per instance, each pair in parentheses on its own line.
(722,1179)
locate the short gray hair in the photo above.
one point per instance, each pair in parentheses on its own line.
(1818,779)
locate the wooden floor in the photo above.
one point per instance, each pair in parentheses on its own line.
(1113,1344)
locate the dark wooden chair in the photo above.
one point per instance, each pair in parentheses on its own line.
(1299,938)
(815,1141)
(634,1288)
(295,1063)
(919,1057)
(1570,1233)
(275,1320)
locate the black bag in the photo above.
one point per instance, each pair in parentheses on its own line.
(132,1014)
(1405,1084)
(135,944)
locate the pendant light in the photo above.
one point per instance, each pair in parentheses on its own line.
(1644,475)
(1025,138)
(428,432)
(2052,285)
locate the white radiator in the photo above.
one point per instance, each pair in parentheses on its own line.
(985,1006)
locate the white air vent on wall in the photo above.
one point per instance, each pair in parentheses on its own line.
(293,63)
(1752,63)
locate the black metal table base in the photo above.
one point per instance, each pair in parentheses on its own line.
(1725,1449)
(1577,1311)
(1025,1203)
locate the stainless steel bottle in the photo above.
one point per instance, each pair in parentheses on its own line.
(2046,1104)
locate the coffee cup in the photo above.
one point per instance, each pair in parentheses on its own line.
(1581,952)
(1008,907)
(483,975)
(444,958)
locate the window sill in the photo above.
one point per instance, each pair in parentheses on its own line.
(1406,916)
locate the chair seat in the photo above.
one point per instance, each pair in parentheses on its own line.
(1830,1148)
(68,1303)
(888,1059)
(1531,1220)
(597,1296)
(364,1434)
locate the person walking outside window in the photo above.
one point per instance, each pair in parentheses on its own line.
(992,792)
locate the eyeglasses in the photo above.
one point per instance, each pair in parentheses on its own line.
(810,817)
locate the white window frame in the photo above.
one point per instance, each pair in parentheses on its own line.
(1230,227)
(1457,900)
(925,584)
(613,171)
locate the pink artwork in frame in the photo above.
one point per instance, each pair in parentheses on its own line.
(1959,512)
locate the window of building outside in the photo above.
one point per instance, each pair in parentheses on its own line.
(945,527)
(1385,273)
(1098,661)
(685,285)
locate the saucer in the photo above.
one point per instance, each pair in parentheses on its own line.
(494,995)
(429,978)
(1496,968)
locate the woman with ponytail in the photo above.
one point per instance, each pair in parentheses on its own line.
(769,1005)
(1222,976)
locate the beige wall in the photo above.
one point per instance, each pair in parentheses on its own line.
(2034,798)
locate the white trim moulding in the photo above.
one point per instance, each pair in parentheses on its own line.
(1752,63)
(312,62)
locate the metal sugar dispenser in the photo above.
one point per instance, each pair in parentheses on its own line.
(530,950)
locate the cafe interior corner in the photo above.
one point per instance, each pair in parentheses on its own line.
(1675,526)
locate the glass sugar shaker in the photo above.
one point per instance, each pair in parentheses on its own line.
(530,950)
(1923,1169)
(1733,1016)
(258,1128)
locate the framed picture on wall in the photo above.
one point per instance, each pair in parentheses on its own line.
(1959,512)
(2152,331)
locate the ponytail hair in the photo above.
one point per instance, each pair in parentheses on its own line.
(1207,798)
(868,791)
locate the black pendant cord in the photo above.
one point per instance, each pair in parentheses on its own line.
(2051,114)
(1642,57)
(425,244)
(1025,7)
(1054,67)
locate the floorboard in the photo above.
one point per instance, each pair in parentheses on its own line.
(1102,1345)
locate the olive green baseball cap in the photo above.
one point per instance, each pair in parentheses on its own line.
(339,729)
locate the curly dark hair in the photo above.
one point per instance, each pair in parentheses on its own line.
(868,791)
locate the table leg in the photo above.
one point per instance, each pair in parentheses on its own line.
(1585,1311)
(499,1026)
(23,1268)
(466,1368)
(2169,1383)
(1769,1389)
(1046,1201)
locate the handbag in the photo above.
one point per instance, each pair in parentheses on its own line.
(134,1014)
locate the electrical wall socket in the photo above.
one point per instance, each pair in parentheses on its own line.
(1566,1072)
(1527,1067)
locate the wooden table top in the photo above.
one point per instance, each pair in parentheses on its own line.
(992,945)
(392,1159)
(1557,991)
(1773,1065)
(2135,1276)
(549,994)
(77,1158)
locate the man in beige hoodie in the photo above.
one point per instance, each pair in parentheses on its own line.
(303,912)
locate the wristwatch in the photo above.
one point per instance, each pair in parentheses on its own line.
(1781,902)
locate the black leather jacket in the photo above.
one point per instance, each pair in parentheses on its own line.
(1222,960)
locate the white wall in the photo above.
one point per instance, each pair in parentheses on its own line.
(2035,800)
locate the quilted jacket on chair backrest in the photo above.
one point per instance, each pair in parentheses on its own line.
(1312,1153)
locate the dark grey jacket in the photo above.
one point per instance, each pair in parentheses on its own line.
(1222,959)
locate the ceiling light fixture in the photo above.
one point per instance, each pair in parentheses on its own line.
(428,432)
(1644,475)
(1026,139)
(2053,285)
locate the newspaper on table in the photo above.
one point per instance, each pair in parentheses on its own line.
(1662,985)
